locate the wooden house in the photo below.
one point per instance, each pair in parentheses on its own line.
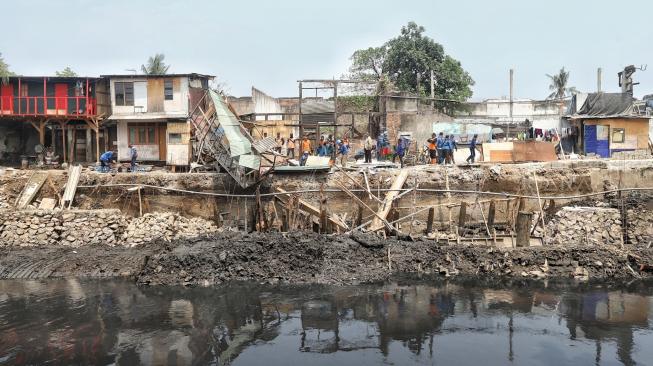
(64,113)
(608,123)
(150,112)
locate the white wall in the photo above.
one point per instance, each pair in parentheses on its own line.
(127,110)
(179,102)
(542,114)
(264,103)
(177,106)
(145,152)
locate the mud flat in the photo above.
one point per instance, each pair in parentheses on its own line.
(306,257)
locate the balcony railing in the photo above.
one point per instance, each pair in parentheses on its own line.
(48,106)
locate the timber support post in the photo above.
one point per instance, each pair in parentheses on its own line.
(429,221)
(461,216)
(491,213)
(523,226)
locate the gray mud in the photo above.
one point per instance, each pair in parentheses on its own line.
(306,257)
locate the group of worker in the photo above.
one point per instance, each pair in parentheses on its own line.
(441,149)
(111,157)
(326,147)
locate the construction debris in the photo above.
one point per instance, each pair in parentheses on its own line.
(592,226)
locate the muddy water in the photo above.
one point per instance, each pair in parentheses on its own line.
(114,322)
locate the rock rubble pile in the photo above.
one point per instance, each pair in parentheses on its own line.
(591,226)
(167,226)
(640,226)
(77,228)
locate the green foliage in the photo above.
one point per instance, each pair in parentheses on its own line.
(67,72)
(367,64)
(407,60)
(4,71)
(155,65)
(558,86)
(356,103)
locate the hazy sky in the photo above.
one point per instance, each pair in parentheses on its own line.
(272,44)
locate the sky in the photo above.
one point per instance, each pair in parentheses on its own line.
(272,44)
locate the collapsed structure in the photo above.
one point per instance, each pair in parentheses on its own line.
(546,198)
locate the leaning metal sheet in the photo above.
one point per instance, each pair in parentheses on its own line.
(238,143)
(249,161)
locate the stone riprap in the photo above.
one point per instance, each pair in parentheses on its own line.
(75,228)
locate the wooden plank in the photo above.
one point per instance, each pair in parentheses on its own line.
(382,214)
(71,186)
(155,95)
(360,202)
(305,206)
(32,187)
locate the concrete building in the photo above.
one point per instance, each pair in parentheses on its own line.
(516,115)
(151,113)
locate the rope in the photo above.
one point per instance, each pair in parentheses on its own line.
(403,190)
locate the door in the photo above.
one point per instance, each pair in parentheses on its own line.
(163,137)
(61,98)
(596,140)
(6,99)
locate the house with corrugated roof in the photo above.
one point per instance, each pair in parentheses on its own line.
(608,123)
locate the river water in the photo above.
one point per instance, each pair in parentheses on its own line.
(116,322)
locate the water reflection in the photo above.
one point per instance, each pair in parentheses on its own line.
(73,322)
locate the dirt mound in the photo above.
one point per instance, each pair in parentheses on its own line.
(312,258)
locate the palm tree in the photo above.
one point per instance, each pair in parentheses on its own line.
(155,65)
(4,71)
(558,85)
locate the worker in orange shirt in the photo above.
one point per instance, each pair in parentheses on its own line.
(306,150)
(433,152)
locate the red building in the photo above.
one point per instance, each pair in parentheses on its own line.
(64,113)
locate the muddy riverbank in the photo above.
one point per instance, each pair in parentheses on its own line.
(306,257)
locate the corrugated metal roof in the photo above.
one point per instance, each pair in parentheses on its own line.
(238,143)
(264,145)
(249,161)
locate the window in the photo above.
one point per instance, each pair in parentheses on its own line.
(174,138)
(167,89)
(142,135)
(124,93)
(618,135)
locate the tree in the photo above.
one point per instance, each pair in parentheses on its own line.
(155,65)
(408,60)
(367,64)
(67,72)
(558,86)
(4,71)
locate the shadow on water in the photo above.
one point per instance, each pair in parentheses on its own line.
(405,322)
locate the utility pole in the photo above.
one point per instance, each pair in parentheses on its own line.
(432,85)
(598,80)
(512,72)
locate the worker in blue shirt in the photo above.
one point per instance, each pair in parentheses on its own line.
(472,150)
(453,146)
(446,150)
(106,159)
(440,145)
(343,150)
(400,151)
